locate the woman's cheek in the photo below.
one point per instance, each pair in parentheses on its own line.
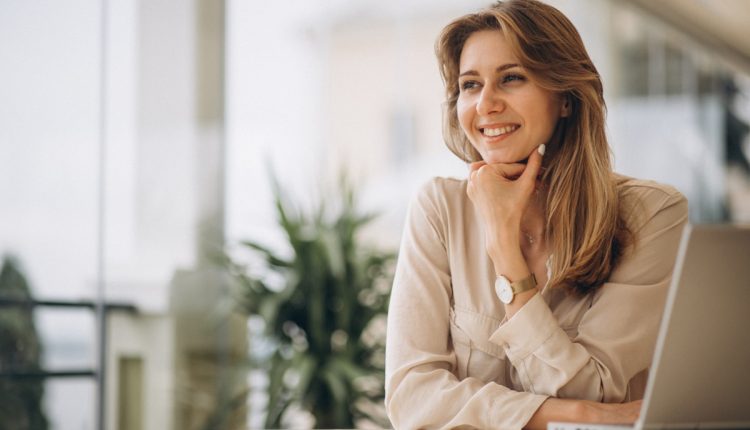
(462,120)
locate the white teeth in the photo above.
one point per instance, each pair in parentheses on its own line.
(492,132)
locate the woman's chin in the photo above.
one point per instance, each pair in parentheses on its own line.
(497,159)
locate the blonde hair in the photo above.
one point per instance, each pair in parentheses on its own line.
(585,229)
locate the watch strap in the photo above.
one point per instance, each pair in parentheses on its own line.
(524,284)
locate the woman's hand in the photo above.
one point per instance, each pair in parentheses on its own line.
(612,413)
(584,411)
(501,193)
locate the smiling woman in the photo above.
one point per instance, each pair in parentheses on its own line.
(532,290)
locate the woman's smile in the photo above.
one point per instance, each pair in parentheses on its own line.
(496,133)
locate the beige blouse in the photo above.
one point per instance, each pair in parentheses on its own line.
(451,358)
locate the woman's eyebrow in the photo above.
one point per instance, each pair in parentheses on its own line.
(507,66)
(499,69)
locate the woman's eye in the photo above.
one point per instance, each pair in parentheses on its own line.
(512,78)
(468,85)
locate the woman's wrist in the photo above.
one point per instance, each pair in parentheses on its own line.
(507,259)
(504,246)
(584,411)
(554,409)
(509,262)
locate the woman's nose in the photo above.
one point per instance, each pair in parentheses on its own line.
(490,101)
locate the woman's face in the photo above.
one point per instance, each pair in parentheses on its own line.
(503,112)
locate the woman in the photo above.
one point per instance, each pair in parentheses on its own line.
(532,291)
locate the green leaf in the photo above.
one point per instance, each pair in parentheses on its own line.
(306,366)
(335,383)
(270,256)
(277,404)
(331,244)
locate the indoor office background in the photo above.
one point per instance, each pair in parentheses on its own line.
(139,142)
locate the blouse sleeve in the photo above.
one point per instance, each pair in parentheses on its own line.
(421,388)
(617,334)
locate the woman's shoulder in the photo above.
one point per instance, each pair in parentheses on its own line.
(440,199)
(647,191)
(643,199)
(645,187)
(442,191)
(436,204)
(445,184)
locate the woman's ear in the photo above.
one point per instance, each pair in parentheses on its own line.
(565,107)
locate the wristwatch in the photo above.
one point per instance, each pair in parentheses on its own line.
(507,290)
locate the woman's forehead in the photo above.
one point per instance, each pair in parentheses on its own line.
(486,49)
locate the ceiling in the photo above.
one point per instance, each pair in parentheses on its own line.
(721,25)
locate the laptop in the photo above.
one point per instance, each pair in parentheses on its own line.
(700,375)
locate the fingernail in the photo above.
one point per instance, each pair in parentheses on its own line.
(541,149)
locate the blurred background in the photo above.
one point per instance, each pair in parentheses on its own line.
(179,249)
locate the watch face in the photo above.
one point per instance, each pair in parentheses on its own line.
(503,289)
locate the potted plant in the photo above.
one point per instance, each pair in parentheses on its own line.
(323,320)
(20,351)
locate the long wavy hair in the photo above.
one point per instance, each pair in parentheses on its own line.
(584,226)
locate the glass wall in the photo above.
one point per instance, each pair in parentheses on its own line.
(49,222)
(111,153)
(147,147)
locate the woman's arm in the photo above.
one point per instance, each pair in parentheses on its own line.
(583,411)
(501,194)
(599,354)
(614,340)
(422,390)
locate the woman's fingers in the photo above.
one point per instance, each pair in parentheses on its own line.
(505,171)
(476,165)
(474,168)
(533,166)
(501,192)
(511,171)
(527,172)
